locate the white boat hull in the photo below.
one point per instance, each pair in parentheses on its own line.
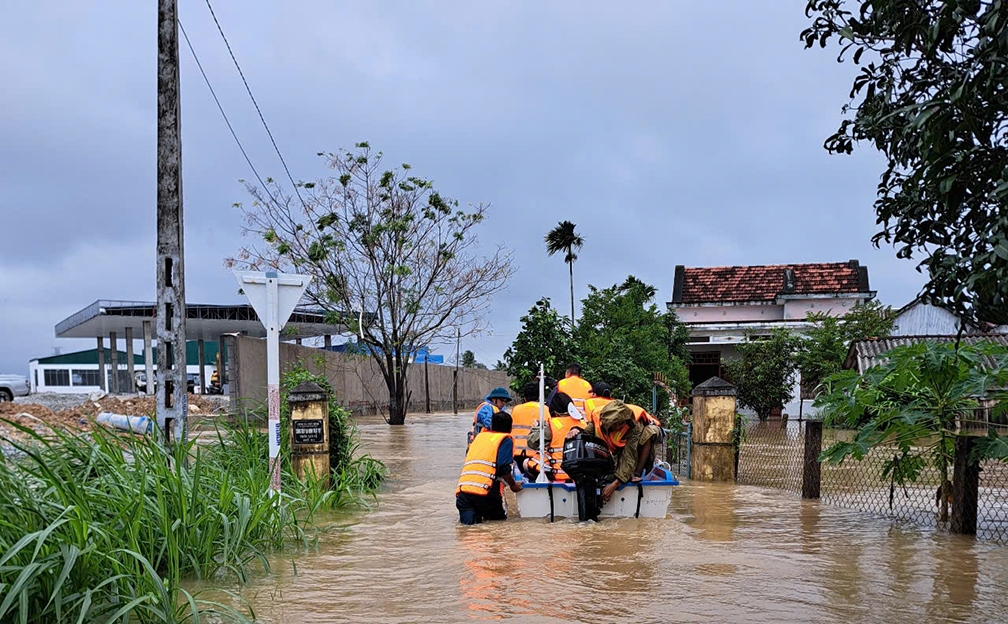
(534,500)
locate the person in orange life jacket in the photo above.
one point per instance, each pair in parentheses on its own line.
(630,435)
(523,415)
(600,394)
(560,422)
(488,465)
(494,402)
(572,385)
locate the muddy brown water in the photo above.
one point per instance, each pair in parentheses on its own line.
(725,553)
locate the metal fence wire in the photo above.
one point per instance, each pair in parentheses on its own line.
(771,455)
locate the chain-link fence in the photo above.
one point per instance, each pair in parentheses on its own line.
(772,455)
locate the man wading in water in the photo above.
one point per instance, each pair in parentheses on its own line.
(488,463)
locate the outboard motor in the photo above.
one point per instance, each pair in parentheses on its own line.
(589,463)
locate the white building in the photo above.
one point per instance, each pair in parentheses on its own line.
(721,306)
(918,318)
(78,372)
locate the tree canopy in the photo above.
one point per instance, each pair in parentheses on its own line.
(930,96)
(564,238)
(764,371)
(382,242)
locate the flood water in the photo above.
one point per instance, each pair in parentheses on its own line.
(725,553)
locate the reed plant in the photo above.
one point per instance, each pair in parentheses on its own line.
(104,527)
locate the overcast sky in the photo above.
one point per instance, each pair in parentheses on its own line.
(673,133)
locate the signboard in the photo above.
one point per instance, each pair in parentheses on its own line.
(308,431)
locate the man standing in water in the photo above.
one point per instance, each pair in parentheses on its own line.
(479,495)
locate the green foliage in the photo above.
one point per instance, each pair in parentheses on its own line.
(912,402)
(544,338)
(764,372)
(930,97)
(361,473)
(469,360)
(825,345)
(385,241)
(622,338)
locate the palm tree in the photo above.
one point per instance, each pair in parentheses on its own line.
(564,238)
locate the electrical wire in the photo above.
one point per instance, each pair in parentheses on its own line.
(254,102)
(221,108)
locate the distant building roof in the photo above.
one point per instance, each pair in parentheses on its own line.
(737,284)
(865,354)
(90,356)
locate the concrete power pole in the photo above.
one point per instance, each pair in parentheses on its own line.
(171,314)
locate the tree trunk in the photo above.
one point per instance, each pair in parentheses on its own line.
(397,405)
(571,265)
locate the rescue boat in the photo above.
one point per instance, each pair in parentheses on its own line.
(653,496)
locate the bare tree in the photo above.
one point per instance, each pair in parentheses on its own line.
(383,242)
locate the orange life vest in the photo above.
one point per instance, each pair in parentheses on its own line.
(575,387)
(595,404)
(522,417)
(479,472)
(559,428)
(615,439)
(641,415)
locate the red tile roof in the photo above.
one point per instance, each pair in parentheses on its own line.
(765,283)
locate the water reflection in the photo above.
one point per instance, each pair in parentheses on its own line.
(724,554)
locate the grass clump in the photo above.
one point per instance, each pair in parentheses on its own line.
(103,527)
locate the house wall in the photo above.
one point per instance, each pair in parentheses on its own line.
(922,319)
(730,313)
(798,309)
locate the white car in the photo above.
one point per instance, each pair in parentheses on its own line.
(13,386)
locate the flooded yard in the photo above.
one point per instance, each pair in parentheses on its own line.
(725,553)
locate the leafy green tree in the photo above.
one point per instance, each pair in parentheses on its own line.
(469,360)
(912,401)
(564,238)
(623,338)
(764,373)
(384,245)
(825,345)
(545,338)
(930,97)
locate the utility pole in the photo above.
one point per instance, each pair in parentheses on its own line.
(172,404)
(458,340)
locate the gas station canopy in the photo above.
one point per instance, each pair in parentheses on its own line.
(203,322)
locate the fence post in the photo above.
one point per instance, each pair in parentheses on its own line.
(426,382)
(812,469)
(965,486)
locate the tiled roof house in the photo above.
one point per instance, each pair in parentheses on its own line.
(722,306)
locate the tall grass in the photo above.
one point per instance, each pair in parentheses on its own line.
(103,527)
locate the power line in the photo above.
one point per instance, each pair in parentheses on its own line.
(256,104)
(221,108)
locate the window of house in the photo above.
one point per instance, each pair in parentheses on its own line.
(57,377)
(87,378)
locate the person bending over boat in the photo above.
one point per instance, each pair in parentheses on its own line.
(488,463)
(560,422)
(630,434)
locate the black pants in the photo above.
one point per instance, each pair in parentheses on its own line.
(474,509)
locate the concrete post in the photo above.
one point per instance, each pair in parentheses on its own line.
(713,452)
(101,364)
(201,357)
(426,381)
(114,346)
(812,470)
(221,363)
(131,384)
(965,487)
(172,405)
(309,433)
(148,356)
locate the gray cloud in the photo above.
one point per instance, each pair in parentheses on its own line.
(673,133)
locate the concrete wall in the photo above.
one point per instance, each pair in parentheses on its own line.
(730,313)
(356,379)
(922,319)
(797,309)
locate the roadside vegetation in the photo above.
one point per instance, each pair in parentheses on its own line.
(104,527)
